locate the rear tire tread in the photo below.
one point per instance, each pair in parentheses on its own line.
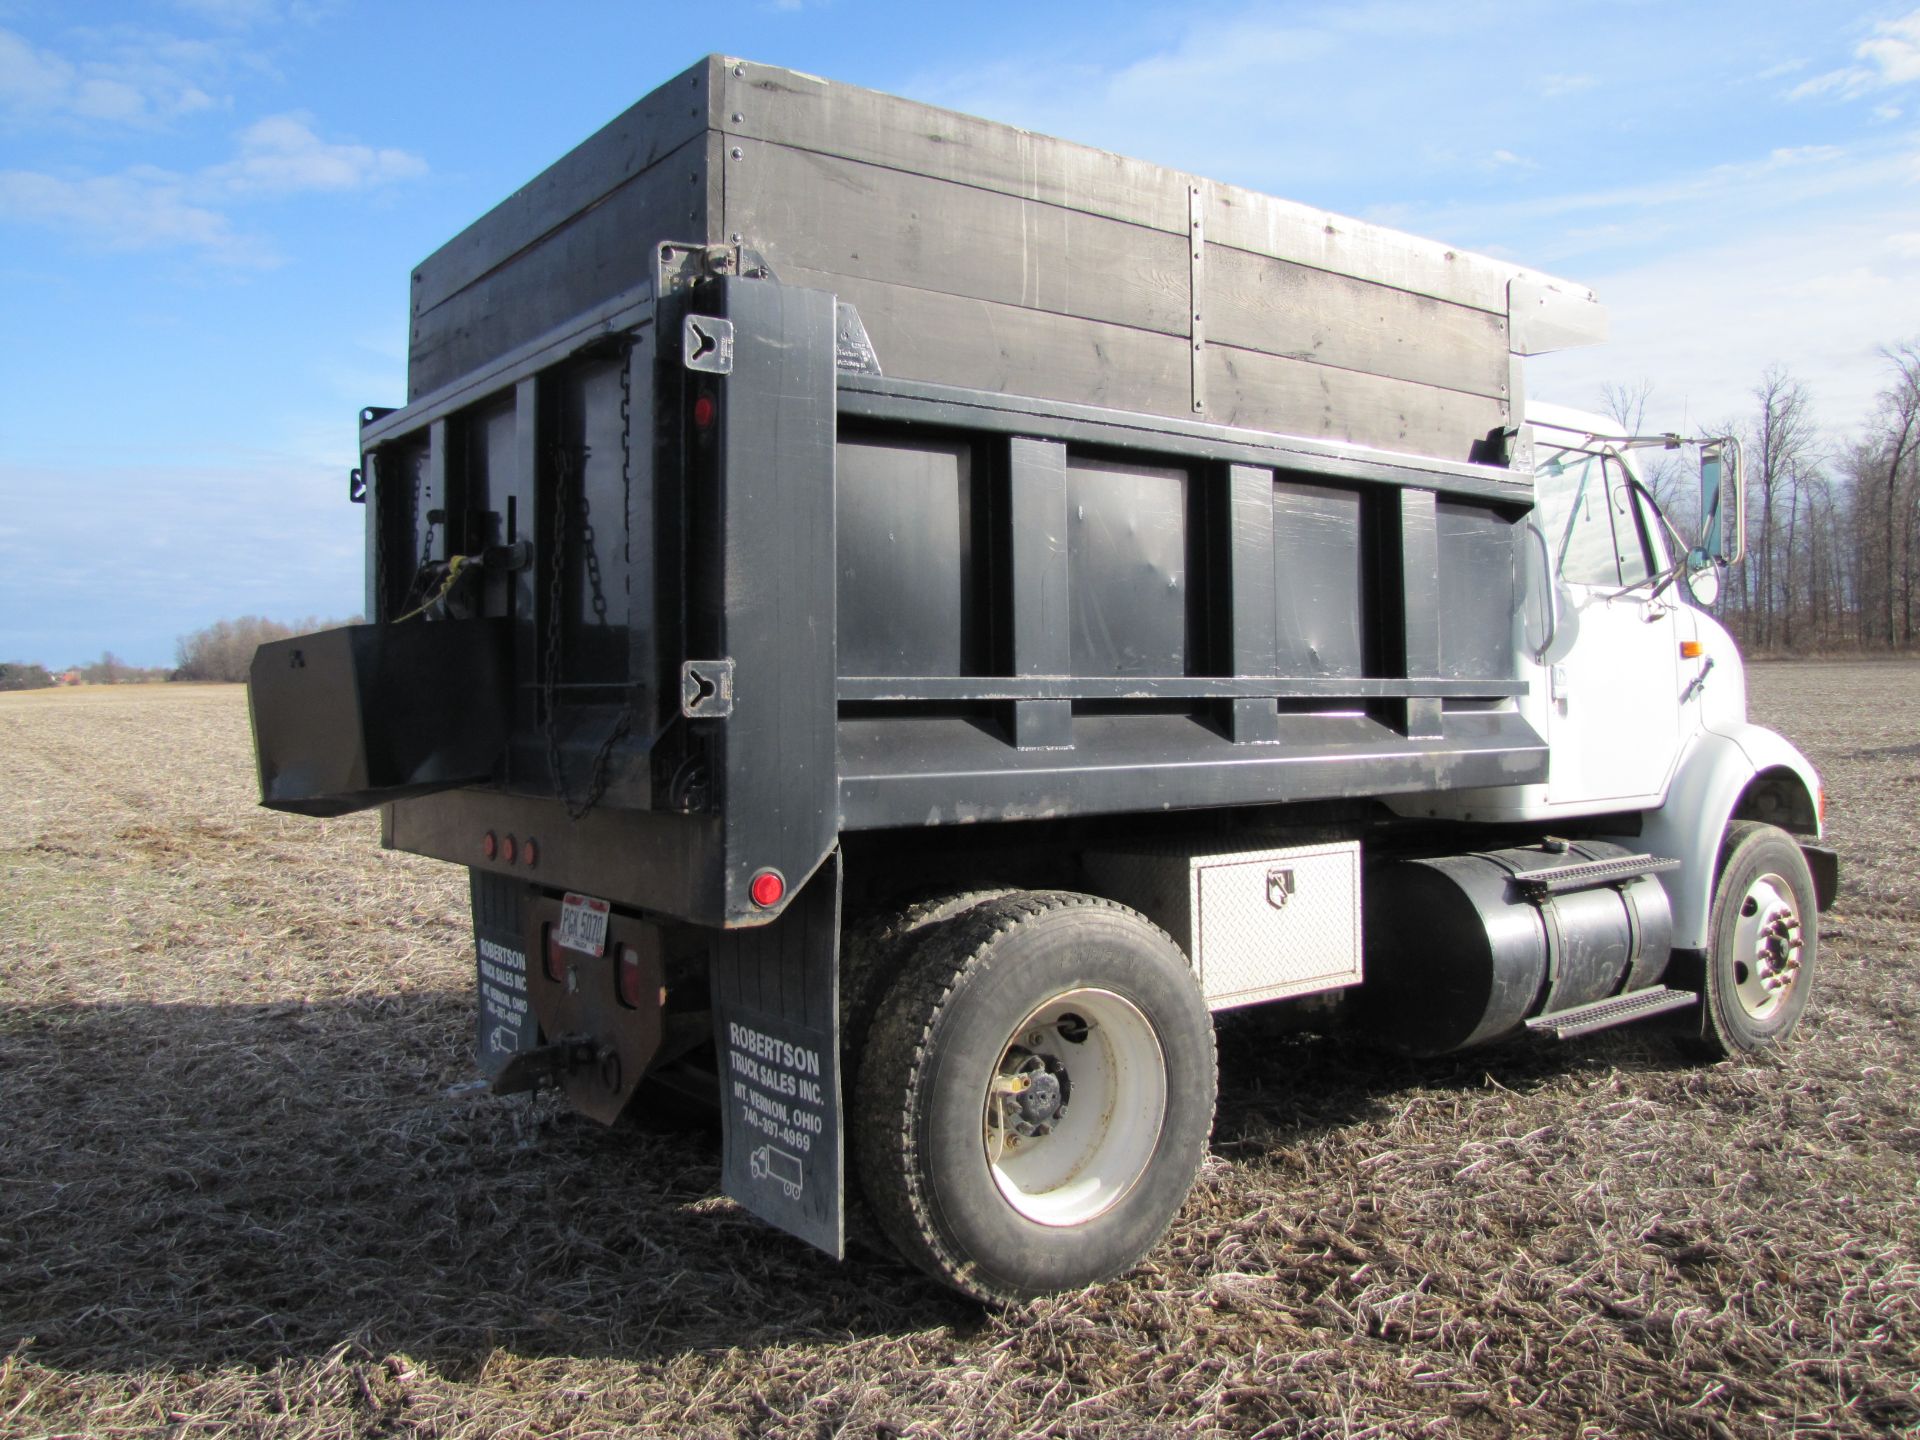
(883,1133)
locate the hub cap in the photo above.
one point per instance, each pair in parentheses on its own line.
(1074,1108)
(1767,944)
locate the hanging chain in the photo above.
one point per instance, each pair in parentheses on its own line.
(564,473)
(377,517)
(426,536)
(419,586)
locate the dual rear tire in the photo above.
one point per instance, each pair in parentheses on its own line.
(1035,1094)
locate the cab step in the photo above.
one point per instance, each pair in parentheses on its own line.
(1589,874)
(1617,1010)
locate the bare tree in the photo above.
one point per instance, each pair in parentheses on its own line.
(1783,444)
(224,650)
(1899,420)
(1626,405)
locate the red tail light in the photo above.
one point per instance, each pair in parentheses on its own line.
(626,974)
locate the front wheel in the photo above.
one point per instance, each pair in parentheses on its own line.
(1764,934)
(1036,1096)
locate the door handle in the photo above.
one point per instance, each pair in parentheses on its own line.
(1553,591)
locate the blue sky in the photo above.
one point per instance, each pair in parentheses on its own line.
(209,210)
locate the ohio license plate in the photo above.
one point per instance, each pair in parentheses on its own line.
(583,924)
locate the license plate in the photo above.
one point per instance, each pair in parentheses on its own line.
(583,924)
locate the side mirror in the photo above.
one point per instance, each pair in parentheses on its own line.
(1704,585)
(1723,506)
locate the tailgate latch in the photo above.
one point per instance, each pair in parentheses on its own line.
(706,689)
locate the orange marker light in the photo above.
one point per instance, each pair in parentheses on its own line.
(1691,649)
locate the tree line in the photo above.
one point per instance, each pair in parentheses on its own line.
(223,651)
(1833,525)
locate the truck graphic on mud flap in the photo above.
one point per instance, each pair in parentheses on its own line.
(771,1163)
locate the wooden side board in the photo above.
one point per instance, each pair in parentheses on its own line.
(987,256)
(602,251)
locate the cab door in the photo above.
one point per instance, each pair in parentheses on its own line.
(1613,717)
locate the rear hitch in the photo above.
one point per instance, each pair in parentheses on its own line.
(551,1064)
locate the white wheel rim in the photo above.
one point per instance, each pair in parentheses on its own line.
(1767,943)
(1102,1053)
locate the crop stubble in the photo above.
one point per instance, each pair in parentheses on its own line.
(233,1199)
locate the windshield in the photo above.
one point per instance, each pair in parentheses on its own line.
(1593,521)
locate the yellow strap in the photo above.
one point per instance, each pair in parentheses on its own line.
(454,566)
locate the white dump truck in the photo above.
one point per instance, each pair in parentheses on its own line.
(905,619)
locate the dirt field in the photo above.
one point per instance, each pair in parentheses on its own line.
(233,1201)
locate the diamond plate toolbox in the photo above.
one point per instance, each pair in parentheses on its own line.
(1257,924)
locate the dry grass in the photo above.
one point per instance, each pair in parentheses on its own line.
(232,1201)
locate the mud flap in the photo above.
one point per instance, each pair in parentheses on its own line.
(506,1024)
(776,1012)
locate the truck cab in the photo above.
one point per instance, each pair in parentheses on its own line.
(1639,690)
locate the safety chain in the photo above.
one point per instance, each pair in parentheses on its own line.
(418,586)
(376,498)
(564,473)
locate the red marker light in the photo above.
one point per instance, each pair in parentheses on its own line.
(767,888)
(703,411)
(489,845)
(509,851)
(530,852)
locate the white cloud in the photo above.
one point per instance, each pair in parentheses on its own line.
(31,78)
(233,12)
(140,209)
(149,208)
(136,79)
(281,154)
(1791,181)
(1818,298)
(249,14)
(1552,87)
(1891,56)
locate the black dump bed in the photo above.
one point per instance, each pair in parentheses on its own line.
(791,459)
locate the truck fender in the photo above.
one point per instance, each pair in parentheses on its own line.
(1743,772)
